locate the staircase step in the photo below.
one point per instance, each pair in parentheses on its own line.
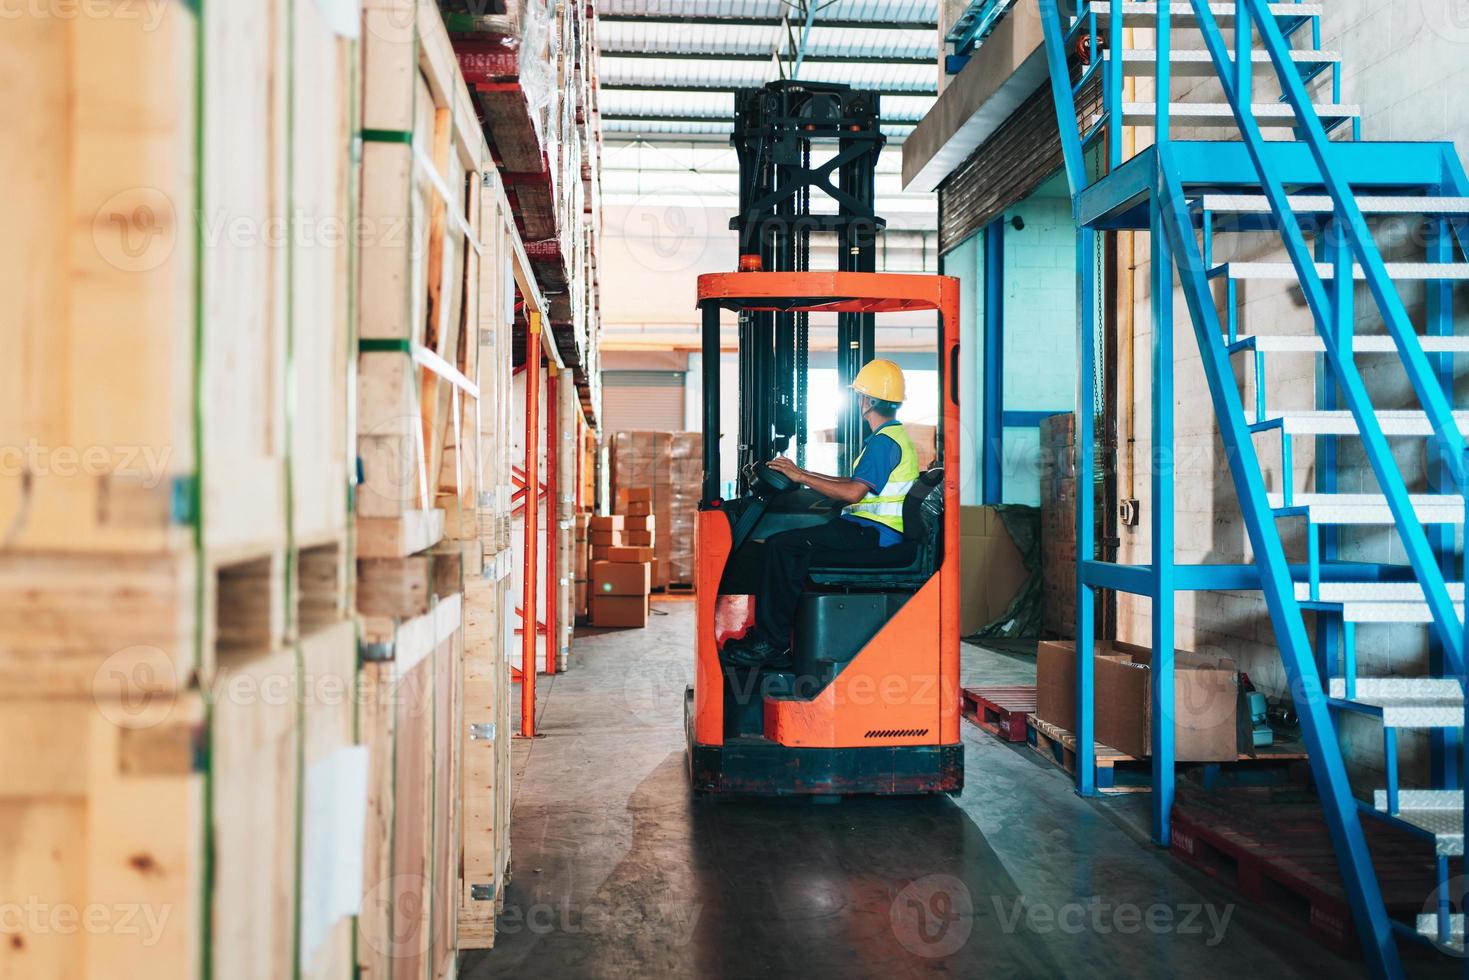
(1375,592)
(1369,344)
(1370,508)
(1380,602)
(1196,63)
(1395,270)
(1182,12)
(1407,702)
(1321,204)
(1439,812)
(1267,114)
(1427,925)
(1339,422)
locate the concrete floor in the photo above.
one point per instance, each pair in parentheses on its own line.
(620,872)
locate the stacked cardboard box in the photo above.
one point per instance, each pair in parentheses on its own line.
(620,587)
(604,533)
(580,562)
(1058,522)
(659,475)
(991,569)
(1205,699)
(686,474)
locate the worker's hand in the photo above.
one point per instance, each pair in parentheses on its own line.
(784,466)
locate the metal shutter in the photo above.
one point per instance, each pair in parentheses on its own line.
(641,400)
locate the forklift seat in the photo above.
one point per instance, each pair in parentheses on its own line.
(903,566)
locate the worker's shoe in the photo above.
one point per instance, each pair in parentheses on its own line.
(754,652)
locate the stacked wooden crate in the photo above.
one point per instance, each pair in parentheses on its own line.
(176,654)
(433,547)
(530,66)
(1058,523)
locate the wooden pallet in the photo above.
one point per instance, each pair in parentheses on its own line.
(1118,772)
(1057,744)
(1273,847)
(1000,710)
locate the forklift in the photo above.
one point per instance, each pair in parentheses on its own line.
(870,701)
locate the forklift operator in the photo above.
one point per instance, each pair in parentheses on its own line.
(872,518)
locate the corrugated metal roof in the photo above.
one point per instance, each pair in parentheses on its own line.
(870,10)
(702,37)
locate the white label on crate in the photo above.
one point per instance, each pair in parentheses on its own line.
(342,16)
(334,822)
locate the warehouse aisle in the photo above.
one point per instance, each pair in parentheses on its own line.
(618,872)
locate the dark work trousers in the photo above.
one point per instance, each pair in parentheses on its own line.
(787,563)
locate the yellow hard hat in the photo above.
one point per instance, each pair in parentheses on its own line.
(880,379)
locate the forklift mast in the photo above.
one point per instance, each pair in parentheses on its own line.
(792,136)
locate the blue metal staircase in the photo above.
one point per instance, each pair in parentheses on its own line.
(1313,184)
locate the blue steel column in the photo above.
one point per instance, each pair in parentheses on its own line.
(1161,263)
(992,423)
(1163,473)
(1329,250)
(1085,454)
(1443,743)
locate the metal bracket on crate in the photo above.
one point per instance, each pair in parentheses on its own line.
(370,653)
(483,732)
(482,893)
(184,499)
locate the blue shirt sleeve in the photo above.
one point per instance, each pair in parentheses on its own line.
(878,461)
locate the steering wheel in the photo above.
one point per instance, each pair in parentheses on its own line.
(772,481)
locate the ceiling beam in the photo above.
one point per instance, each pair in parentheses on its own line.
(684,118)
(655,86)
(826,59)
(855,25)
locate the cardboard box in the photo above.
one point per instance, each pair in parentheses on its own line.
(599,552)
(638,508)
(619,610)
(639,539)
(606,522)
(640,522)
(621,578)
(991,569)
(605,539)
(635,495)
(925,443)
(628,554)
(1205,698)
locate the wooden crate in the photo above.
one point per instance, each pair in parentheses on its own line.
(487,734)
(102,808)
(106,809)
(289,808)
(422,159)
(180,317)
(410,718)
(119,304)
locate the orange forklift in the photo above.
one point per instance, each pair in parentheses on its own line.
(869,700)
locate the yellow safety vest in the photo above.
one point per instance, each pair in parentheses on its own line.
(886,505)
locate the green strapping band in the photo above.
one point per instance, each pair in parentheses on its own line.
(289,409)
(206,923)
(404,136)
(376,345)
